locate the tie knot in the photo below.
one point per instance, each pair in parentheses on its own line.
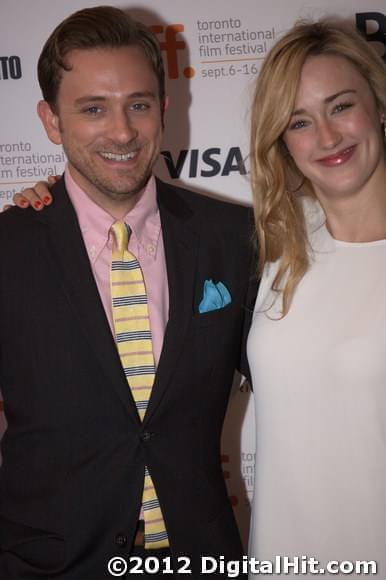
(121,235)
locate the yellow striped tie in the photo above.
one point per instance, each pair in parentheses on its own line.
(134,343)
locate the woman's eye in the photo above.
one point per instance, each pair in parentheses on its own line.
(299,124)
(341,107)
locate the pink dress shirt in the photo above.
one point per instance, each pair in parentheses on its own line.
(146,243)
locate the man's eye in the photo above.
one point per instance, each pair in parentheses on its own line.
(139,107)
(94,110)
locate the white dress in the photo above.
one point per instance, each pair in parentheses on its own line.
(319,378)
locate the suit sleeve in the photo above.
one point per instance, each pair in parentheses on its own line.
(250,299)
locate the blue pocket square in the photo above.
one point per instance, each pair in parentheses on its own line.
(215,296)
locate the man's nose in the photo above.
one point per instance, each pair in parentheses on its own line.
(122,129)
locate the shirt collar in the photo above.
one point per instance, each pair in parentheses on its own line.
(95,223)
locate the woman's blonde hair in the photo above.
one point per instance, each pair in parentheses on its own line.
(276,181)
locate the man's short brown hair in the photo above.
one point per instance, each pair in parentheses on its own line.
(98,27)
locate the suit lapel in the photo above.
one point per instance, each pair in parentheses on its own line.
(180,230)
(180,236)
(75,275)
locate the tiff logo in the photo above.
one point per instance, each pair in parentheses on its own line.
(171,44)
(365,23)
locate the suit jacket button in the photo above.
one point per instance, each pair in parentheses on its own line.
(121,540)
(146,436)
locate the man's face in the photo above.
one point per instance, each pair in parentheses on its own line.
(108,118)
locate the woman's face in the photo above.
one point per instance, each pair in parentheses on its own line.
(334,135)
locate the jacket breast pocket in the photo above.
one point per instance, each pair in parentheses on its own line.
(221,315)
(37,549)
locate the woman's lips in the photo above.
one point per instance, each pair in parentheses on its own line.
(338,158)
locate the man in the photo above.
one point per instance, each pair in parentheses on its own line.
(84,445)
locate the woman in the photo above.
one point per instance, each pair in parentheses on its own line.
(318,341)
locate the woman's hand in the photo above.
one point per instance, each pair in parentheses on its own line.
(37,196)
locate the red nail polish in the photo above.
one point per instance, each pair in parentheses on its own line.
(23,202)
(38,204)
(46,199)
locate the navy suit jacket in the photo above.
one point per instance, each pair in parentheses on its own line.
(75,450)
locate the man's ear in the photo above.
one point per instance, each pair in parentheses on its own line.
(50,121)
(164,106)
